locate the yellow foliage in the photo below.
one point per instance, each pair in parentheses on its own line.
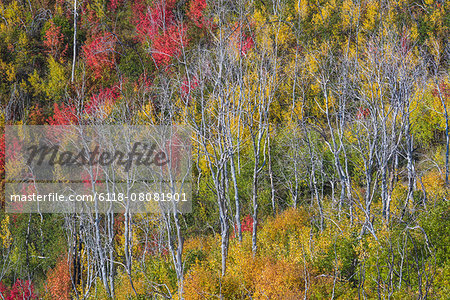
(35,82)
(302,8)
(398,198)
(414,32)
(279,280)
(436,48)
(5,233)
(124,289)
(200,283)
(12,13)
(197,243)
(433,183)
(350,13)
(10,73)
(371,15)
(281,234)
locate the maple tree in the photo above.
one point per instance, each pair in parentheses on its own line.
(157,27)
(168,45)
(104,99)
(100,54)
(54,41)
(22,289)
(63,115)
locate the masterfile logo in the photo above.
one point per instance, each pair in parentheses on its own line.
(144,156)
(138,164)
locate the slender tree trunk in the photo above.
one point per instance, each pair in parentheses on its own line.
(447,138)
(255,204)
(272,186)
(74,39)
(410,167)
(236,198)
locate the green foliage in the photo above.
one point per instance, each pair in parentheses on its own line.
(436,223)
(35,247)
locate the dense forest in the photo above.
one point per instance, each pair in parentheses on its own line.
(320,146)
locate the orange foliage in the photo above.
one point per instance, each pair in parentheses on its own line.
(279,280)
(54,41)
(200,283)
(58,280)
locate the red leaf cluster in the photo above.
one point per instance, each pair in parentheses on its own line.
(362,113)
(53,41)
(13,148)
(3,290)
(114,4)
(169,44)
(246,44)
(89,180)
(64,115)
(444,89)
(246,224)
(36,116)
(196,8)
(242,40)
(143,83)
(107,96)
(22,289)
(150,20)
(100,54)
(157,26)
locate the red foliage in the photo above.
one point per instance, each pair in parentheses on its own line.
(53,41)
(362,113)
(149,21)
(114,4)
(169,45)
(246,224)
(242,40)
(22,289)
(89,20)
(106,96)
(157,26)
(246,44)
(138,15)
(174,149)
(100,54)
(155,245)
(90,180)
(36,116)
(405,42)
(144,82)
(13,148)
(65,115)
(196,8)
